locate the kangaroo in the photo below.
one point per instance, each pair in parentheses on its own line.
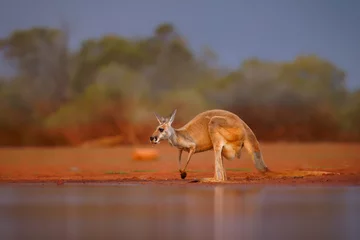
(217,129)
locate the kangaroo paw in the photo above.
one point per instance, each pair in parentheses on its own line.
(183,174)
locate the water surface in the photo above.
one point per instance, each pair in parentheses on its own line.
(114,211)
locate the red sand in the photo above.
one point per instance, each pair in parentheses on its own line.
(323,163)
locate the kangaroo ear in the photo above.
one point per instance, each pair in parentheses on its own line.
(172,117)
(161,120)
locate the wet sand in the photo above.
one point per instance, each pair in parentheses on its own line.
(291,164)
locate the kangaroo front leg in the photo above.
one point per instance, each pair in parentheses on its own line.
(191,152)
(180,152)
(183,172)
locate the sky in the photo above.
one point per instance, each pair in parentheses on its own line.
(276,30)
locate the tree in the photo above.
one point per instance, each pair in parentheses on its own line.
(174,62)
(315,78)
(351,114)
(118,95)
(97,53)
(40,56)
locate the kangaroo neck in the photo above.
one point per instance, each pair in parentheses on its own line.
(175,138)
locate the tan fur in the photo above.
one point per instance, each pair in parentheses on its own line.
(220,130)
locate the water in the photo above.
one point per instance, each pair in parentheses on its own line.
(104,211)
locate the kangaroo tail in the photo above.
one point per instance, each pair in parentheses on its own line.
(253,147)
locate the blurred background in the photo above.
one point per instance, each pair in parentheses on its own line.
(75,71)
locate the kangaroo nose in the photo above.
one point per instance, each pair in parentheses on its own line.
(151,138)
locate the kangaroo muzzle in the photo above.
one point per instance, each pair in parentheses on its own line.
(154,139)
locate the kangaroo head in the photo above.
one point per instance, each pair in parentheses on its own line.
(164,130)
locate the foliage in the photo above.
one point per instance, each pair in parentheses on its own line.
(118,81)
(188,103)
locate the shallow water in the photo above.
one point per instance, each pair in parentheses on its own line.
(105,211)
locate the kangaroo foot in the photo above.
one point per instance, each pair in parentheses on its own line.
(183,174)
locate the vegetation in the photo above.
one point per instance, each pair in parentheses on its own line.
(112,85)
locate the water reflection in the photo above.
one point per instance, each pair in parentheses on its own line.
(178,212)
(219,213)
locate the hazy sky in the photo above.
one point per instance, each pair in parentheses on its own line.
(235,29)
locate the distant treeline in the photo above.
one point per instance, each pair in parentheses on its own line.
(112,85)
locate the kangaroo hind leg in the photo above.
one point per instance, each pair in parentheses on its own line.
(223,133)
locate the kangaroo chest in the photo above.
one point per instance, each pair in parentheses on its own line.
(176,144)
(181,143)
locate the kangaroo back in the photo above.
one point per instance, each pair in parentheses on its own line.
(197,129)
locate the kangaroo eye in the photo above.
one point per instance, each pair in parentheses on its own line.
(161,129)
